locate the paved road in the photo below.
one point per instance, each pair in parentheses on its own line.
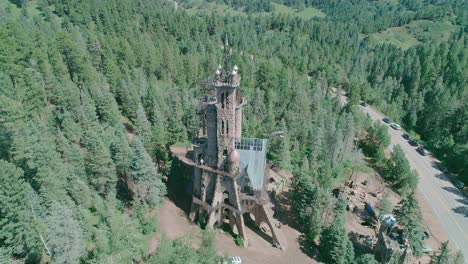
(447,202)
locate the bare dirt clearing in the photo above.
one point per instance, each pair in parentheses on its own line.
(173,221)
(372,192)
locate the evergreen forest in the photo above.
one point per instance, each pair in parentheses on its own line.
(93,93)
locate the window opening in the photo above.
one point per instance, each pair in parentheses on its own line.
(222,100)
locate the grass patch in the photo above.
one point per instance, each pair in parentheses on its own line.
(306,13)
(414,33)
(395,36)
(185,144)
(200,7)
(220,9)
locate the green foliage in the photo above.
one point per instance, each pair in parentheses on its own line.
(78,81)
(410,217)
(376,139)
(4,256)
(148,184)
(101,169)
(17,233)
(207,251)
(399,172)
(335,245)
(239,241)
(310,204)
(366,259)
(64,236)
(179,252)
(385,206)
(444,256)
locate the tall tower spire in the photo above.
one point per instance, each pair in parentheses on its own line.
(227,54)
(227,75)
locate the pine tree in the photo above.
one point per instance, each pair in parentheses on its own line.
(366,259)
(410,217)
(17,233)
(143,126)
(99,164)
(399,172)
(335,245)
(385,206)
(5,258)
(148,185)
(207,251)
(64,235)
(282,155)
(309,204)
(444,256)
(165,251)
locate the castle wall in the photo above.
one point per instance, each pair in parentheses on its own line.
(212,134)
(238,118)
(225,109)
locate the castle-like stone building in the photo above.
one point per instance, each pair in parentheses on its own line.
(229,179)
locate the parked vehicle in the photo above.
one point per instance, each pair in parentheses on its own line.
(422,151)
(395,126)
(413,143)
(364,104)
(233,260)
(387,120)
(406,136)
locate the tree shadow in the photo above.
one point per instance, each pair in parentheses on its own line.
(454,191)
(463,201)
(444,177)
(282,209)
(463,210)
(310,248)
(362,244)
(179,184)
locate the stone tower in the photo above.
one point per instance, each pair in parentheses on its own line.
(228,170)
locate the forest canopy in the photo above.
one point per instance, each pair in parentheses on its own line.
(92,93)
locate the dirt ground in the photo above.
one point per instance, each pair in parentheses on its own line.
(173,221)
(375,189)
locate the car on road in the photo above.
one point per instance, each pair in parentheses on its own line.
(395,126)
(387,120)
(422,151)
(413,143)
(363,104)
(406,136)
